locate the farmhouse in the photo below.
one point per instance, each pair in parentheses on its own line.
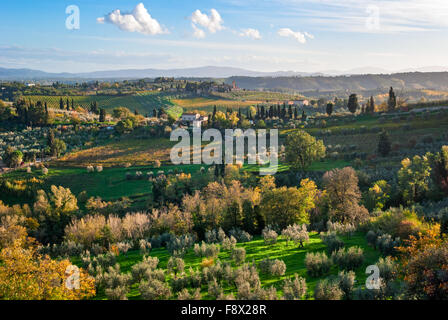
(301,103)
(194,119)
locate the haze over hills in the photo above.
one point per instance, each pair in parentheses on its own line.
(200,72)
(354,80)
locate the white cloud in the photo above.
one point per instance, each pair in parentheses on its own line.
(139,20)
(251,33)
(198,33)
(212,22)
(299,36)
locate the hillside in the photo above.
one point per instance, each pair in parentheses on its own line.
(409,81)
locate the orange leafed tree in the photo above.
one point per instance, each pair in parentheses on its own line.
(26,275)
(425,265)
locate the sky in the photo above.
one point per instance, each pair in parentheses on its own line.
(259,35)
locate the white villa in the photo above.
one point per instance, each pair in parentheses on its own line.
(194,119)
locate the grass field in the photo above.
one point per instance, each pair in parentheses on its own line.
(111,184)
(133,151)
(257,250)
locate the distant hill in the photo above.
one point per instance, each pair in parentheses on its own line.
(202,72)
(410,81)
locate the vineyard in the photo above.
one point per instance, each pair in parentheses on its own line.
(143,102)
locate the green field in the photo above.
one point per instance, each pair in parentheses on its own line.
(111,184)
(256,251)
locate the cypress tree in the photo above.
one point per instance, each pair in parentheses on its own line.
(102,115)
(384,144)
(392,101)
(371,105)
(329,109)
(353,104)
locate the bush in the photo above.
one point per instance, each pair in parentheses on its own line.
(346,283)
(388,269)
(175,265)
(154,290)
(340,228)
(386,245)
(269,235)
(186,295)
(317,264)
(206,250)
(332,241)
(348,259)
(272,267)
(140,270)
(238,255)
(178,246)
(296,233)
(328,290)
(118,293)
(115,283)
(229,243)
(294,289)
(214,289)
(240,235)
(247,273)
(215,236)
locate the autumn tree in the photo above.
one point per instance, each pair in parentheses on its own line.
(26,275)
(287,206)
(424,266)
(302,149)
(54,212)
(343,196)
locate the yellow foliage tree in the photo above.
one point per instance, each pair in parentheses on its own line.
(26,275)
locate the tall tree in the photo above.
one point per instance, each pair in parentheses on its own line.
(102,115)
(329,109)
(371,105)
(353,104)
(302,149)
(384,144)
(392,101)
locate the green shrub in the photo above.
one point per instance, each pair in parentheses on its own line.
(348,259)
(294,289)
(332,241)
(328,290)
(317,264)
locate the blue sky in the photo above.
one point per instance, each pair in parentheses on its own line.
(298,35)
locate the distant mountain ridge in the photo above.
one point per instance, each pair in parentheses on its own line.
(129,74)
(254,80)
